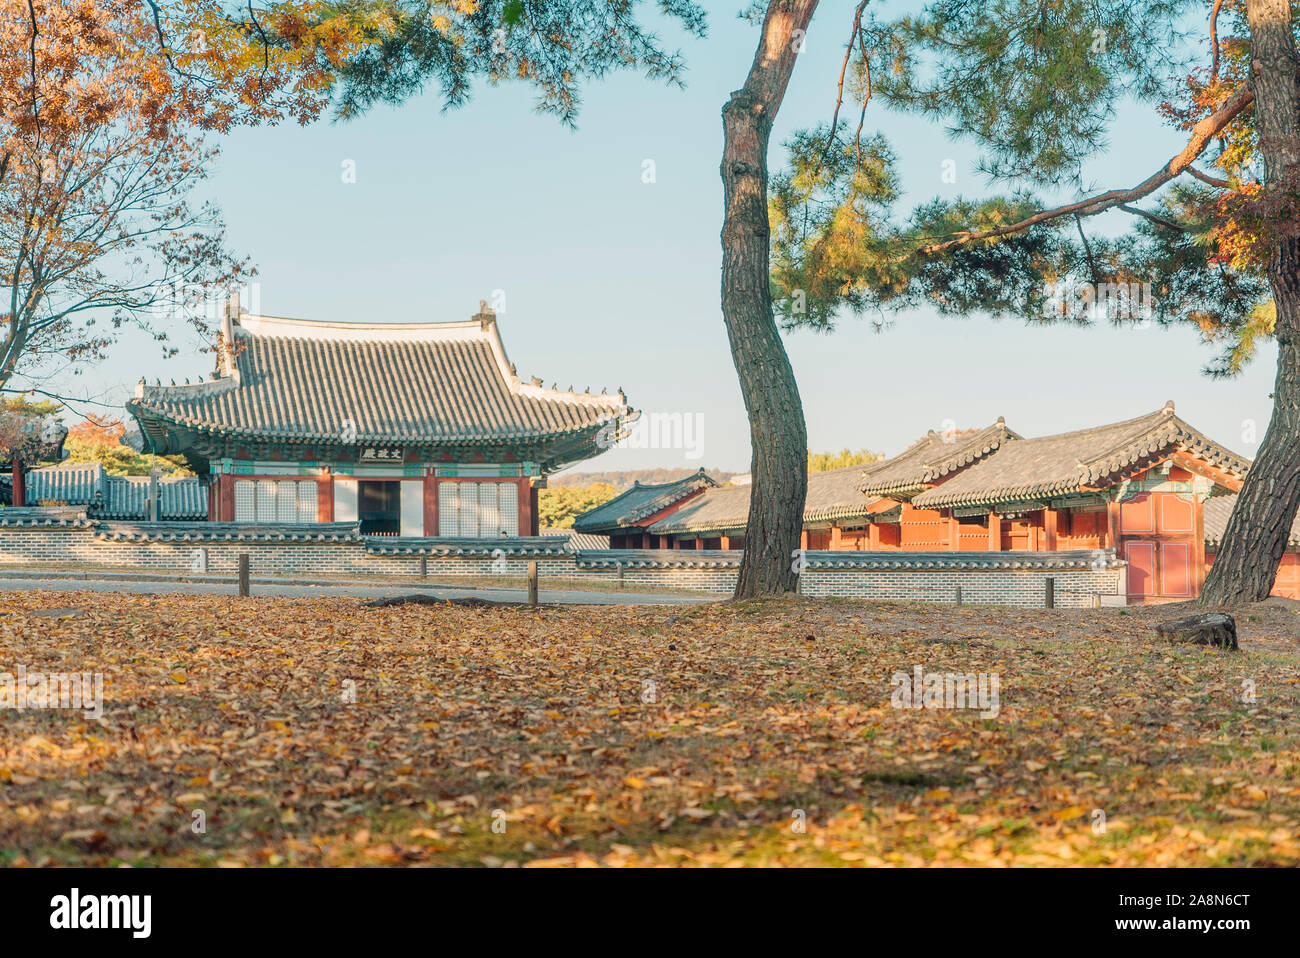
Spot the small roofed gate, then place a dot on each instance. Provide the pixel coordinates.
(1161, 539)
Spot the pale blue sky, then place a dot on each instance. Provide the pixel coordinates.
(610, 281)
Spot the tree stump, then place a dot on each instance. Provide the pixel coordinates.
(1211, 628)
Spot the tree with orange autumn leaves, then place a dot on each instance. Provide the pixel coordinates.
(105, 104)
(104, 107)
(99, 439)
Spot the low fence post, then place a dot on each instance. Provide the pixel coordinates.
(1051, 593)
(424, 567)
(243, 574)
(532, 583)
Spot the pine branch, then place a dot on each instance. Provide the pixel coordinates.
(1204, 131)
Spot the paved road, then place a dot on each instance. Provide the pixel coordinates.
(564, 597)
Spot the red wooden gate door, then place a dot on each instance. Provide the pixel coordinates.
(1157, 531)
(1176, 569)
(1141, 557)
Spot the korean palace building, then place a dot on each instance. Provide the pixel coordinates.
(411, 429)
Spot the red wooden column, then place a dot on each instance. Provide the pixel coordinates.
(325, 498)
(954, 534)
(873, 537)
(535, 525)
(20, 484)
(1049, 529)
(699, 543)
(431, 503)
(803, 540)
(725, 542)
(525, 498)
(995, 531)
(836, 534)
(225, 498)
(1112, 527)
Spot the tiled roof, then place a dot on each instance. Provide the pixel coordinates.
(832, 495)
(229, 532)
(640, 502)
(826, 559)
(576, 540)
(505, 546)
(931, 458)
(116, 497)
(1069, 559)
(659, 559)
(723, 509)
(178, 498)
(1030, 469)
(344, 383)
(78, 484)
(35, 517)
(836, 494)
(1217, 511)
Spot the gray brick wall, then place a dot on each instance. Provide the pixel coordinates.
(1075, 588)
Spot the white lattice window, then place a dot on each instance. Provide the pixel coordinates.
(468, 518)
(286, 502)
(264, 500)
(507, 508)
(448, 509)
(307, 501)
(245, 501)
(478, 510)
(488, 509)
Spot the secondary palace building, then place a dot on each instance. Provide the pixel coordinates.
(1152, 488)
(416, 429)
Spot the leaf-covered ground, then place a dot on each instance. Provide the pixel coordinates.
(724, 734)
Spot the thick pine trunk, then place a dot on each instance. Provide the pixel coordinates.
(778, 434)
(1258, 530)
(1247, 562)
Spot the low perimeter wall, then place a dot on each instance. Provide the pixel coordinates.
(30, 536)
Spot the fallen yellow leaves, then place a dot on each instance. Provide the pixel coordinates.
(302, 732)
